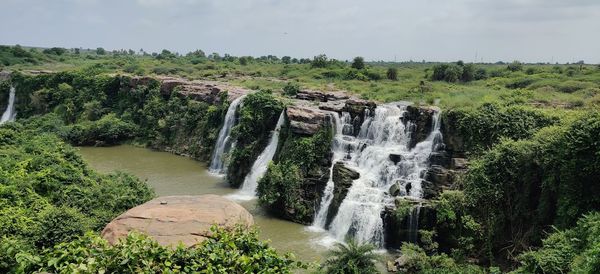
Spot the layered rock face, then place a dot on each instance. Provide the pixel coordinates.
(205, 91)
(171, 220)
(305, 120)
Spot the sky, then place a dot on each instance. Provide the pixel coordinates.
(402, 30)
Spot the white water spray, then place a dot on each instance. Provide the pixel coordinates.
(259, 168)
(339, 146)
(380, 136)
(224, 143)
(9, 114)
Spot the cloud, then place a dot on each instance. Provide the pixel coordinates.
(530, 30)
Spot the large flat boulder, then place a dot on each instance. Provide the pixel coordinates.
(306, 120)
(174, 219)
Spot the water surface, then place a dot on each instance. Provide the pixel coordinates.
(170, 174)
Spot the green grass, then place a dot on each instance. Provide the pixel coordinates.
(545, 86)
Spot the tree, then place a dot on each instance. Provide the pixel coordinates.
(286, 59)
(392, 74)
(319, 61)
(358, 63)
(197, 53)
(515, 66)
(100, 51)
(468, 73)
(351, 258)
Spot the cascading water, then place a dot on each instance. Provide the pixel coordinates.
(382, 138)
(342, 126)
(9, 114)
(413, 224)
(248, 190)
(224, 143)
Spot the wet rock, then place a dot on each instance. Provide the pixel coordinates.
(453, 140)
(440, 158)
(422, 119)
(395, 158)
(458, 163)
(173, 219)
(397, 227)
(306, 120)
(343, 177)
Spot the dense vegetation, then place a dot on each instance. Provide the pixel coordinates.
(530, 131)
(48, 195)
(89, 109)
(296, 173)
(257, 117)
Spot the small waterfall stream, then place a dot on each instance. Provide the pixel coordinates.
(248, 189)
(9, 114)
(382, 136)
(341, 126)
(224, 143)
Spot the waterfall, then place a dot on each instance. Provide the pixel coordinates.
(9, 114)
(224, 143)
(382, 137)
(341, 126)
(248, 189)
(413, 224)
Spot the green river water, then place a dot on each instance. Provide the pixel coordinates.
(170, 174)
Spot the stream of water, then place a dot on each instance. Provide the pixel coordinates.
(9, 114)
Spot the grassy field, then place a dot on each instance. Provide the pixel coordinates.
(540, 85)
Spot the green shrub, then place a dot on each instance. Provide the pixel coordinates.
(60, 224)
(351, 258)
(237, 251)
(109, 130)
(291, 89)
(392, 74)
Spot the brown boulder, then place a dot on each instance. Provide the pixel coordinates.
(306, 120)
(174, 219)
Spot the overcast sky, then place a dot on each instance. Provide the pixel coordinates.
(434, 30)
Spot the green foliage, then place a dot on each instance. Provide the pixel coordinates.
(60, 224)
(574, 250)
(552, 176)
(48, 195)
(358, 63)
(485, 126)
(320, 61)
(415, 260)
(454, 72)
(351, 258)
(291, 89)
(392, 74)
(283, 187)
(515, 66)
(237, 251)
(109, 130)
(257, 117)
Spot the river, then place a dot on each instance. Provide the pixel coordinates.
(170, 174)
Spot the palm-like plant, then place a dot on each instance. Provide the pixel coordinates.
(351, 258)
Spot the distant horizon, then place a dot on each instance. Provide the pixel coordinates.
(498, 62)
(532, 31)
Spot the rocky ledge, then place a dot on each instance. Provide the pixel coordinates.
(171, 220)
(206, 91)
(306, 120)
